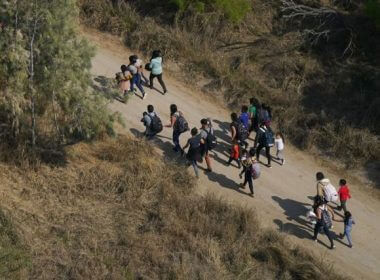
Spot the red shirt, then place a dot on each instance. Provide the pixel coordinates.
(344, 193)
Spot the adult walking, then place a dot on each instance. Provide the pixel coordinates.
(264, 139)
(136, 77)
(239, 133)
(325, 189)
(179, 125)
(194, 153)
(207, 134)
(152, 122)
(252, 111)
(156, 70)
(324, 214)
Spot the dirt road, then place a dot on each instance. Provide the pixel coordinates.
(282, 194)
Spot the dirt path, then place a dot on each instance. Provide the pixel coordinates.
(282, 193)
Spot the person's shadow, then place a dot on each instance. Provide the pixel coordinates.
(294, 210)
(224, 182)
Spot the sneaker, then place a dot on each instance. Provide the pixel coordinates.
(144, 96)
(208, 170)
(252, 195)
(165, 91)
(282, 162)
(350, 246)
(315, 239)
(269, 166)
(332, 247)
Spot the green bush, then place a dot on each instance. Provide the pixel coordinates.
(372, 8)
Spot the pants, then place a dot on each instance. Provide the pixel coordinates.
(326, 230)
(248, 179)
(159, 77)
(177, 146)
(136, 80)
(343, 205)
(237, 161)
(347, 233)
(267, 152)
(195, 166)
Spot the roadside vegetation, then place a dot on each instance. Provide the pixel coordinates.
(313, 61)
(108, 213)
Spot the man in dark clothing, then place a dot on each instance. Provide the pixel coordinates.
(262, 142)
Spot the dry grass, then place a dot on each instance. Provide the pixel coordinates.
(109, 213)
(319, 98)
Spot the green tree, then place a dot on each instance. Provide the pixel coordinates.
(45, 75)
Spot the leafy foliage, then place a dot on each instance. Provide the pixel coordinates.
(44, 75)
(234, 10)
(372, 8)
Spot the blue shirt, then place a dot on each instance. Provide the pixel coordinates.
(244, 118)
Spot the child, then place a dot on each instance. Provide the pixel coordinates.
(279, 142)
(194, 152)
(348, 222)
(234, 153)
(247, 171)
(344, 194)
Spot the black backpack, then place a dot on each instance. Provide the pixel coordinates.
(155, 124)
(241, 131)
(147, 67)
(266, 138)
(211, 141)
(181, 124)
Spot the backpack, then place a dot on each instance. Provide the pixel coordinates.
(267, 138)
(211, 141)
(181, 124)
(326, 219)
(330, 193)
(255, 169)
(155, 124)
(147, 67)
(241, 131)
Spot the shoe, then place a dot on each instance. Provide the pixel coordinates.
(165, 91)
(175, 149)
(350, 246)
(252, 195)
(332, 247)
(208, 170)
(269, 166)
(315, 240)
(283, 162)
(144, 96)
(341, 235)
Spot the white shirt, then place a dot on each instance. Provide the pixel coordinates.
(279, 144)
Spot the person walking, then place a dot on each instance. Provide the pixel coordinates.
(239, 133)
(136, 77)
(140, 70)
(344, 195)
(206, 133)
(235, 154)
(156, 70)
(322, 184)
(123, 78)
(179, 125)
(247, 163)
(152, 123)
(252, 110)
(348, 223)
(194, 153)
(323, 212)
(264, 139)
(280, 143)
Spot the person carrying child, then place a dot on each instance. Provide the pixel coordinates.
(344, 194)
(280, 143)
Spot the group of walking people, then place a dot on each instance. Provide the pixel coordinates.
(132, 75)
(255, 118)
(322, 214)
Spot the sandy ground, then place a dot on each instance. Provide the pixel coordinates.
(282, 194)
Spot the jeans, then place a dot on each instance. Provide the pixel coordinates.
(319, 225)
(195, 166)
(267, 152)
(177, 146)
(159, 77)
(347, 233)
(248, 178)
(136, 80)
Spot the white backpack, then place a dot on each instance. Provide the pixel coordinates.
(330, 193)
